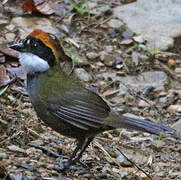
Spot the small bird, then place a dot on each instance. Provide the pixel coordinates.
(63, 102)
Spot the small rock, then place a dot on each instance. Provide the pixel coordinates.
(16, 148)
(107, 58)
(108, 49)
(139, 39)
(127, 34)
(27, 25)
(143, 57)
(4, 21)
(10, 27)
(64, 28)
(82, 75)
(3, 155)
(123, 161)
(174, 108)
(177, 125)
(92, 4)
(115, 23)
(171, 63)
(92, 55)
(126, 41)
(2, 59)
(135, 57)
(100, 10)
(143, 104)
(178, 72)
(163, 99)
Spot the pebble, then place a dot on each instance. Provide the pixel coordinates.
(123, 161)
(126, 41)
(4, 21)
(108, 49)
(115, 23)
(135, 57)
(139, 39)
(107, 58)
(174, 108)
(92, 55)
(10, 37)
(143, 104)
(82, 75)
(3, 155)
(127, 34)
(177, 125)
(16, 149)
(10, 27)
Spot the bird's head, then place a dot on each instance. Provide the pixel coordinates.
(39, 51)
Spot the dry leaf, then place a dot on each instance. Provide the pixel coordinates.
(42, 6)
(4, 78)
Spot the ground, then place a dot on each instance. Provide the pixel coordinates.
(129, 76)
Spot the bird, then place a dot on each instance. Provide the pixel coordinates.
(65, 103)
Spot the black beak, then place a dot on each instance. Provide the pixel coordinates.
(18, 47)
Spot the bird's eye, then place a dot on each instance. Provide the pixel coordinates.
(35, 44)
(28, 41)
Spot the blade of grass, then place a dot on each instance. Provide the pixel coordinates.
(3, 90)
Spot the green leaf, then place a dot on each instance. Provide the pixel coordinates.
(3, 90)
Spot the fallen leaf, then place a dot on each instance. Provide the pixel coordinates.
(2, 170)
(7, 51)
(18, 72)
(4, 78)
(41, 6)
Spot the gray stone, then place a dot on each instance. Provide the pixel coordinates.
(92, 55)
(157, 79)
(139, 39)
(27, 25)
(115, 23)
(123, 161)
(143, 104)
(177, 125)
(154, 21)
(126, 41)
(4, 21)
(10, 37)
(135, 57)
(99, 10)
(82, 75)
(3, 155)
(174, 108)
(108, 49)
(108, 59)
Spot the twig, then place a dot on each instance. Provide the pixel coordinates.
(45, 150)
(11, 137)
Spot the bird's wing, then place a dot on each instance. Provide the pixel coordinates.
(83, 109)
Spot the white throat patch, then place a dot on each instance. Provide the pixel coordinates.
(32, 63)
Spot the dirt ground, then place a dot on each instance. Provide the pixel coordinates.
(101, 51)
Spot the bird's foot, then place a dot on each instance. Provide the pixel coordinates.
(70, 164)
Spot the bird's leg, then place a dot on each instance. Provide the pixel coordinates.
(82, 145)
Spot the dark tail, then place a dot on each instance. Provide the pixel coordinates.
(142, 125)
(146, 126)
